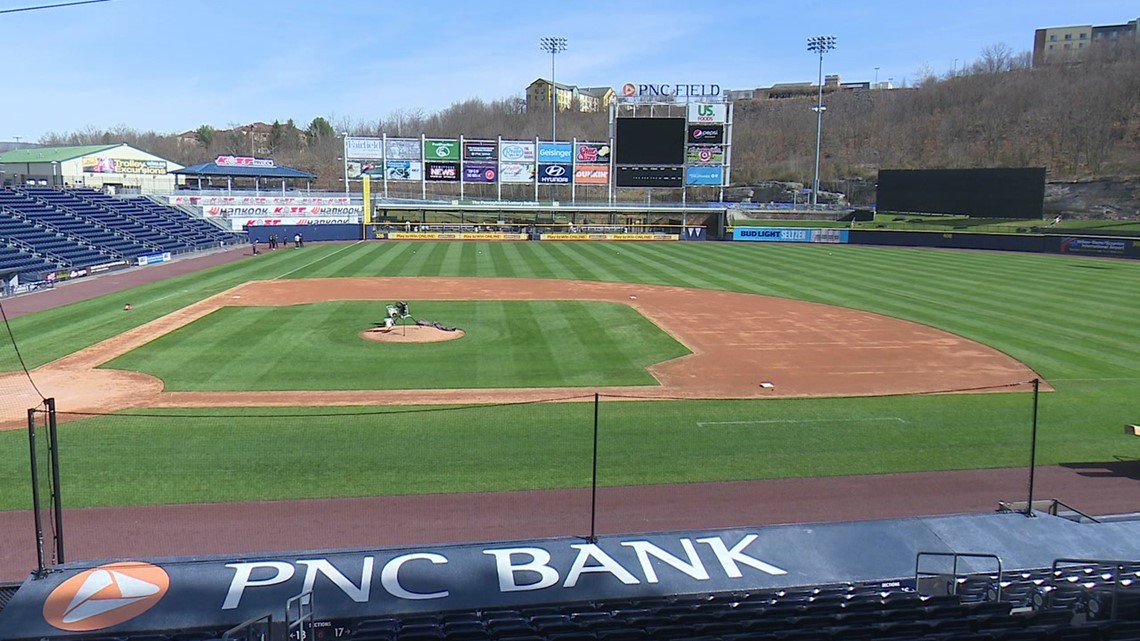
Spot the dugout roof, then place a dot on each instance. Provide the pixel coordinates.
(213, 170)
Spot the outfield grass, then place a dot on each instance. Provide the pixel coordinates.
(318, 347)
(1072, 319)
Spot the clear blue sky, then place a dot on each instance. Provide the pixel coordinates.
(169, 66)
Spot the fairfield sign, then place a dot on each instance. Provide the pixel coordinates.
(633, 90)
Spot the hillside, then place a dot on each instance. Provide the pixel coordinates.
(1082, 123)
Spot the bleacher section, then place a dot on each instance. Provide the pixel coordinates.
(44, 229)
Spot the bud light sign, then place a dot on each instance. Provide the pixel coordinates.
(555, 174)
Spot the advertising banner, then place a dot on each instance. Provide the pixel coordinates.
(363, 148)
(271, 211)
(790, 235)
(706, 134)
(708, 113)
(554, 174)
(516, 172)
(441, 150)
(592, 174)
(240, 223)
(562, 236)
(152, 259)
(704, 176)
(243, 161)
(649, 176)
(555, 152)
(442, 171)
(404, 169)
(259, 200)
(592, 153)
(705, 155)
(102, 165)
(373, 167)
(513, 151)
(480, 150)
(480, 172)
(423, 235)
(1102, 246)
(402, 149)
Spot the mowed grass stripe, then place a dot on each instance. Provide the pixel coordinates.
(317, 347)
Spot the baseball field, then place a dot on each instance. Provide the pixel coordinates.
(714, 363)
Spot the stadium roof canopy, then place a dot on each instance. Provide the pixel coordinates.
(213, 169)
(52, 154)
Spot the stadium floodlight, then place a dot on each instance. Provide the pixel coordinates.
(553, 45)
(820, 45)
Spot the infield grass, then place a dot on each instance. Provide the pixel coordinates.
(318, 347)
(1072, 319)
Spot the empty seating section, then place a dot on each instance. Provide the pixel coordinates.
(54, 244)
(66, 209)
(45, 229)
(75, 200)
(15, 260)
(193, 232)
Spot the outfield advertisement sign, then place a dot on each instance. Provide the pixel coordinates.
(589, 153)
(357, 148)
(713, 176)
(1099, 246)
(517, 151)
(480, 150)
(404, 170)
(790, 235)
(706, 134)
(480, 172)
(555, 152)
(422, 235)
(569, 236)
(402, 149)
(516, 172)
(555, 174)
(705, 155)
(442, 171)
(372, 167)
(441, 150)
(705, 113)
(592, 174)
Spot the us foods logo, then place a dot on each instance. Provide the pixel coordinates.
(105, 596)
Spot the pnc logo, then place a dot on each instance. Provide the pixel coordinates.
(629, 89)
(105, 596)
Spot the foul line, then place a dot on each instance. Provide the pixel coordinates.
(803, 420)
(314, 262)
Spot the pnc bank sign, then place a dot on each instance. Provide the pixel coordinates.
(633, 90)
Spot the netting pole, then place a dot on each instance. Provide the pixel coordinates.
(594, 479)
(36, 493)
(1033, 449)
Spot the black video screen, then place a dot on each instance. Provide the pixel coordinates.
(649, 176)
(650, 141)
(979, 193)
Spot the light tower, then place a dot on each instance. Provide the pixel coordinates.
(553, 45)
(820, 45)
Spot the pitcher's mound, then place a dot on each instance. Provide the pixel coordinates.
(410, 334)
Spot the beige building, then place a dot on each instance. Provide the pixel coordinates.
(111, 167)
(1066, 45)
(569, 97)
